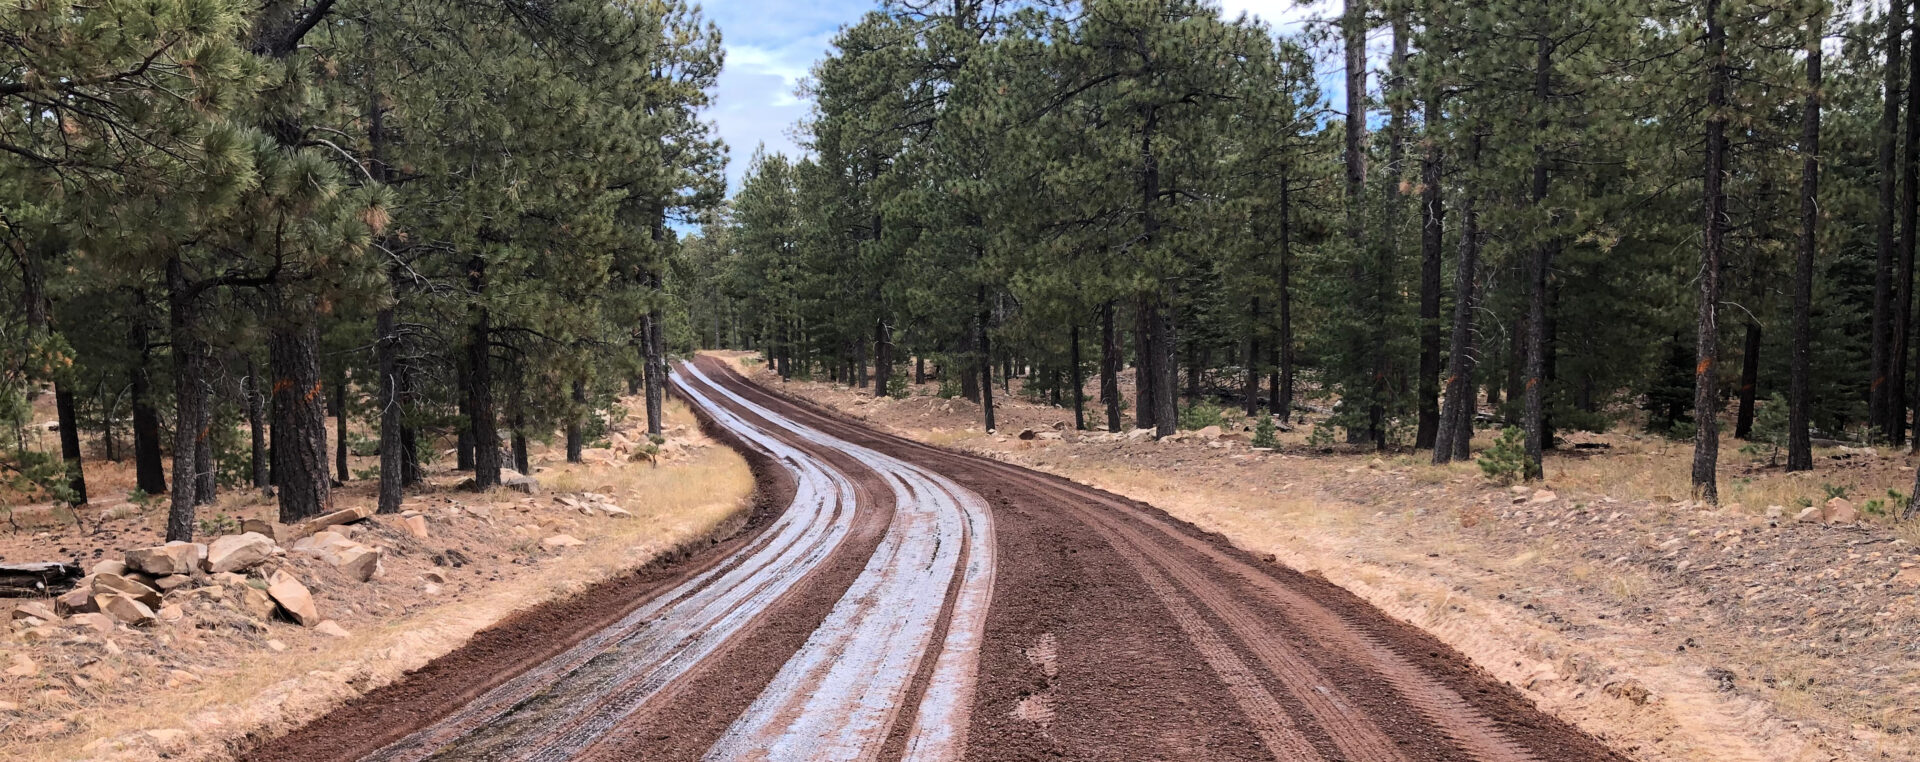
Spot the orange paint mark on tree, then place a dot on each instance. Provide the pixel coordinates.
(314, 393)
(1703, 367)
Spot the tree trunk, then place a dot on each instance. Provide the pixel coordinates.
(387, 356)
(463, 446)
(882, 358)
(1250, 395)
(1282, 403)
(1432, 230)
(919, 368)
(1706, 400)
(1146, 369)
(1800, 388)
(340, 428)
(576, 423)
(1882, 349)
(1909, 237)
(1161, 341)
(480, 413)
(1110, 361)
(1455, 427)
(1073, 377)
(986, 363)
(257, 427)
(1749, 382)
(150, 474)
(970, 363)
(189, 399)
(299, 412)
(70, 442)
(1539, 269)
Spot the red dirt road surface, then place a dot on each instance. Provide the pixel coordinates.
(894, 601)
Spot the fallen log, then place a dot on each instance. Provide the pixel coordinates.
(37, 580)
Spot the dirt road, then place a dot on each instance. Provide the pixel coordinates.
(897, 601)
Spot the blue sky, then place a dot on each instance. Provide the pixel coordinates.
(771, 44)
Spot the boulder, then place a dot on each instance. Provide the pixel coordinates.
(1544, 496)
(37, 610)
(100, 623)
(293, 598)
(1208, 432)
(255, 602)
(561, 541)
(171, 612)
(526, 485)
(1027, 434)
(76, 601)
(110, 566)
(114, 583)
(336, 518)
(125, 608)
(171, 583)
(281, 533)
(1840, 510)
(1776, 511)
(416, 526)
(171, 558)
(616, 511)
(239, 552)
(353, 559)
(1809, 514)
(330, 628)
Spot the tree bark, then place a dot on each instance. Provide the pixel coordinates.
(340, 428)
(299, 412)
(1282, 388)
(1706, 400)
(463, 445)
(1161, 339)
(1886, 240)
(882, 358)
(1250, 395)
(1146, 368)
(257, 427)
(1749, 382)
(576, 423)
(1110, 361)
(70, 442)
(1800, 387)
(1539, 270)
(392, 448)
(480, 414)
(1073, 377)
(150, 474)
(986, 363)
(1455, 427)
(189, 399)
(1432, 231)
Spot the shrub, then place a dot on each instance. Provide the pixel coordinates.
(1263, 433)
(897, 385)
(1506, 461)
(1200, 415)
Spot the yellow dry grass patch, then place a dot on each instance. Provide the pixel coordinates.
(683, 500)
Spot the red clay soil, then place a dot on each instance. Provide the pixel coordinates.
(1150, 612)
(1115, 633)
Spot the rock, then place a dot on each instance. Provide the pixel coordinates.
(1027, 434)
(125, 608)
(110, 566)
(100, 623)
(239, 552)
(276, 646)
(1909, 576)
(255, 602)
(354, 559)
(1543, 496)
(171, 558)
(23, 666)
(171, 612)
(1629, 690)
(36, 610)
(1809, 514)
(416, 526)
(330, 628)
(114, 583)
(167, 736)
(281, 533)
(293, 598)
(433, 577)
(1776, 511)
(1208, 432)
(1377, 464)
(616, 511)
(1139, 434)
(1840, 510)
(561, 541)
(171, 583)
(336, 518)
(526, 485)
(76, 601)
(430, 590)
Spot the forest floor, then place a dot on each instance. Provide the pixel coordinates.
(1671, 630)
(214, 678)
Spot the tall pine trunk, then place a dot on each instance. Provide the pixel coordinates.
(1163, 341)
(986, 363)
(1800, 387)
(392, 448)
(1706, 400)
(70, 442)
(299, 411)
(1887, 243)
(257, 426)
(1073, 377)
(1749, 381)
(1455, 430)
(1250, 395)
(882, 358)
(576, 422)
(1282, 384)
(463, 384)
(481, 419)
(149, 473)
(340, 427)
(1432, 230)
(1110, 361)
(1145, 368)
(1539, 270)
(190, 399)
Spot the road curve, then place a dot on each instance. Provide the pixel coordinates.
(895, 601)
